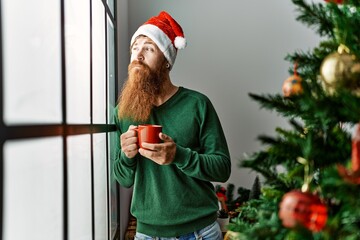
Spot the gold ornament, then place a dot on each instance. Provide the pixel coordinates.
(340, 69)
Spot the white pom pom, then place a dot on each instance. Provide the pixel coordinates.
(180, 42)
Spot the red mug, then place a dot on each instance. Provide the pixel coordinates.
(148, 133)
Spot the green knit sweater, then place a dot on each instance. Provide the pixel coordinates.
(172, 200)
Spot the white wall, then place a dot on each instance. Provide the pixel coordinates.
(234, 47)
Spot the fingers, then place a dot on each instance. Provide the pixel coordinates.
(148, 153)
(129, 147)
(128, 138)
(158, 157)
(165, 137)
(158, 146)
(132, 127)
(128, 142)
(129, 133)
(160, 153)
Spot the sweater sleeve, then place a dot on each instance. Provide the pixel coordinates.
(124, 168)
(212, 161)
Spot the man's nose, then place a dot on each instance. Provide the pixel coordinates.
(140, 56)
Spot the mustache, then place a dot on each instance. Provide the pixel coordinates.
(137, 63)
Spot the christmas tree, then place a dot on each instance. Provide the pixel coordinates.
(311, 169)
(255, 189)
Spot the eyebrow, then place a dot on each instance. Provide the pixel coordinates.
(147, 42)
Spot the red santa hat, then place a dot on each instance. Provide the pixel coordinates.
(165, 32)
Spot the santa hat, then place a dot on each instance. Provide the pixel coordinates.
(165, 32)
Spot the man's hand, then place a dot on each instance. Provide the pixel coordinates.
(160, 153)
(128, 142)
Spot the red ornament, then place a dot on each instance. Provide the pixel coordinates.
(355, 153)
(221, 195)
(292, 85)
(353, 175)
(303, 209)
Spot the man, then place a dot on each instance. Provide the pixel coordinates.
(173, 196)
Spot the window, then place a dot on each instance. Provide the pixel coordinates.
(57, 92)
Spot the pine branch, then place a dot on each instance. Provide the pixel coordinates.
(346, 20)
(355, 3)
(275, 102)
(296, 125)
(314, 16)
(256, 163)
(322, 112)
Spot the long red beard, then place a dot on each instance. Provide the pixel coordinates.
(139, 92)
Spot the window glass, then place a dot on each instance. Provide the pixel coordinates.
(111, 69)
(77, 45)
(33, 184)
(111, 5)
(114, 196)
(32, 61)
(98, 61)
(114, 190)
(100, 185)
(79, 181)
